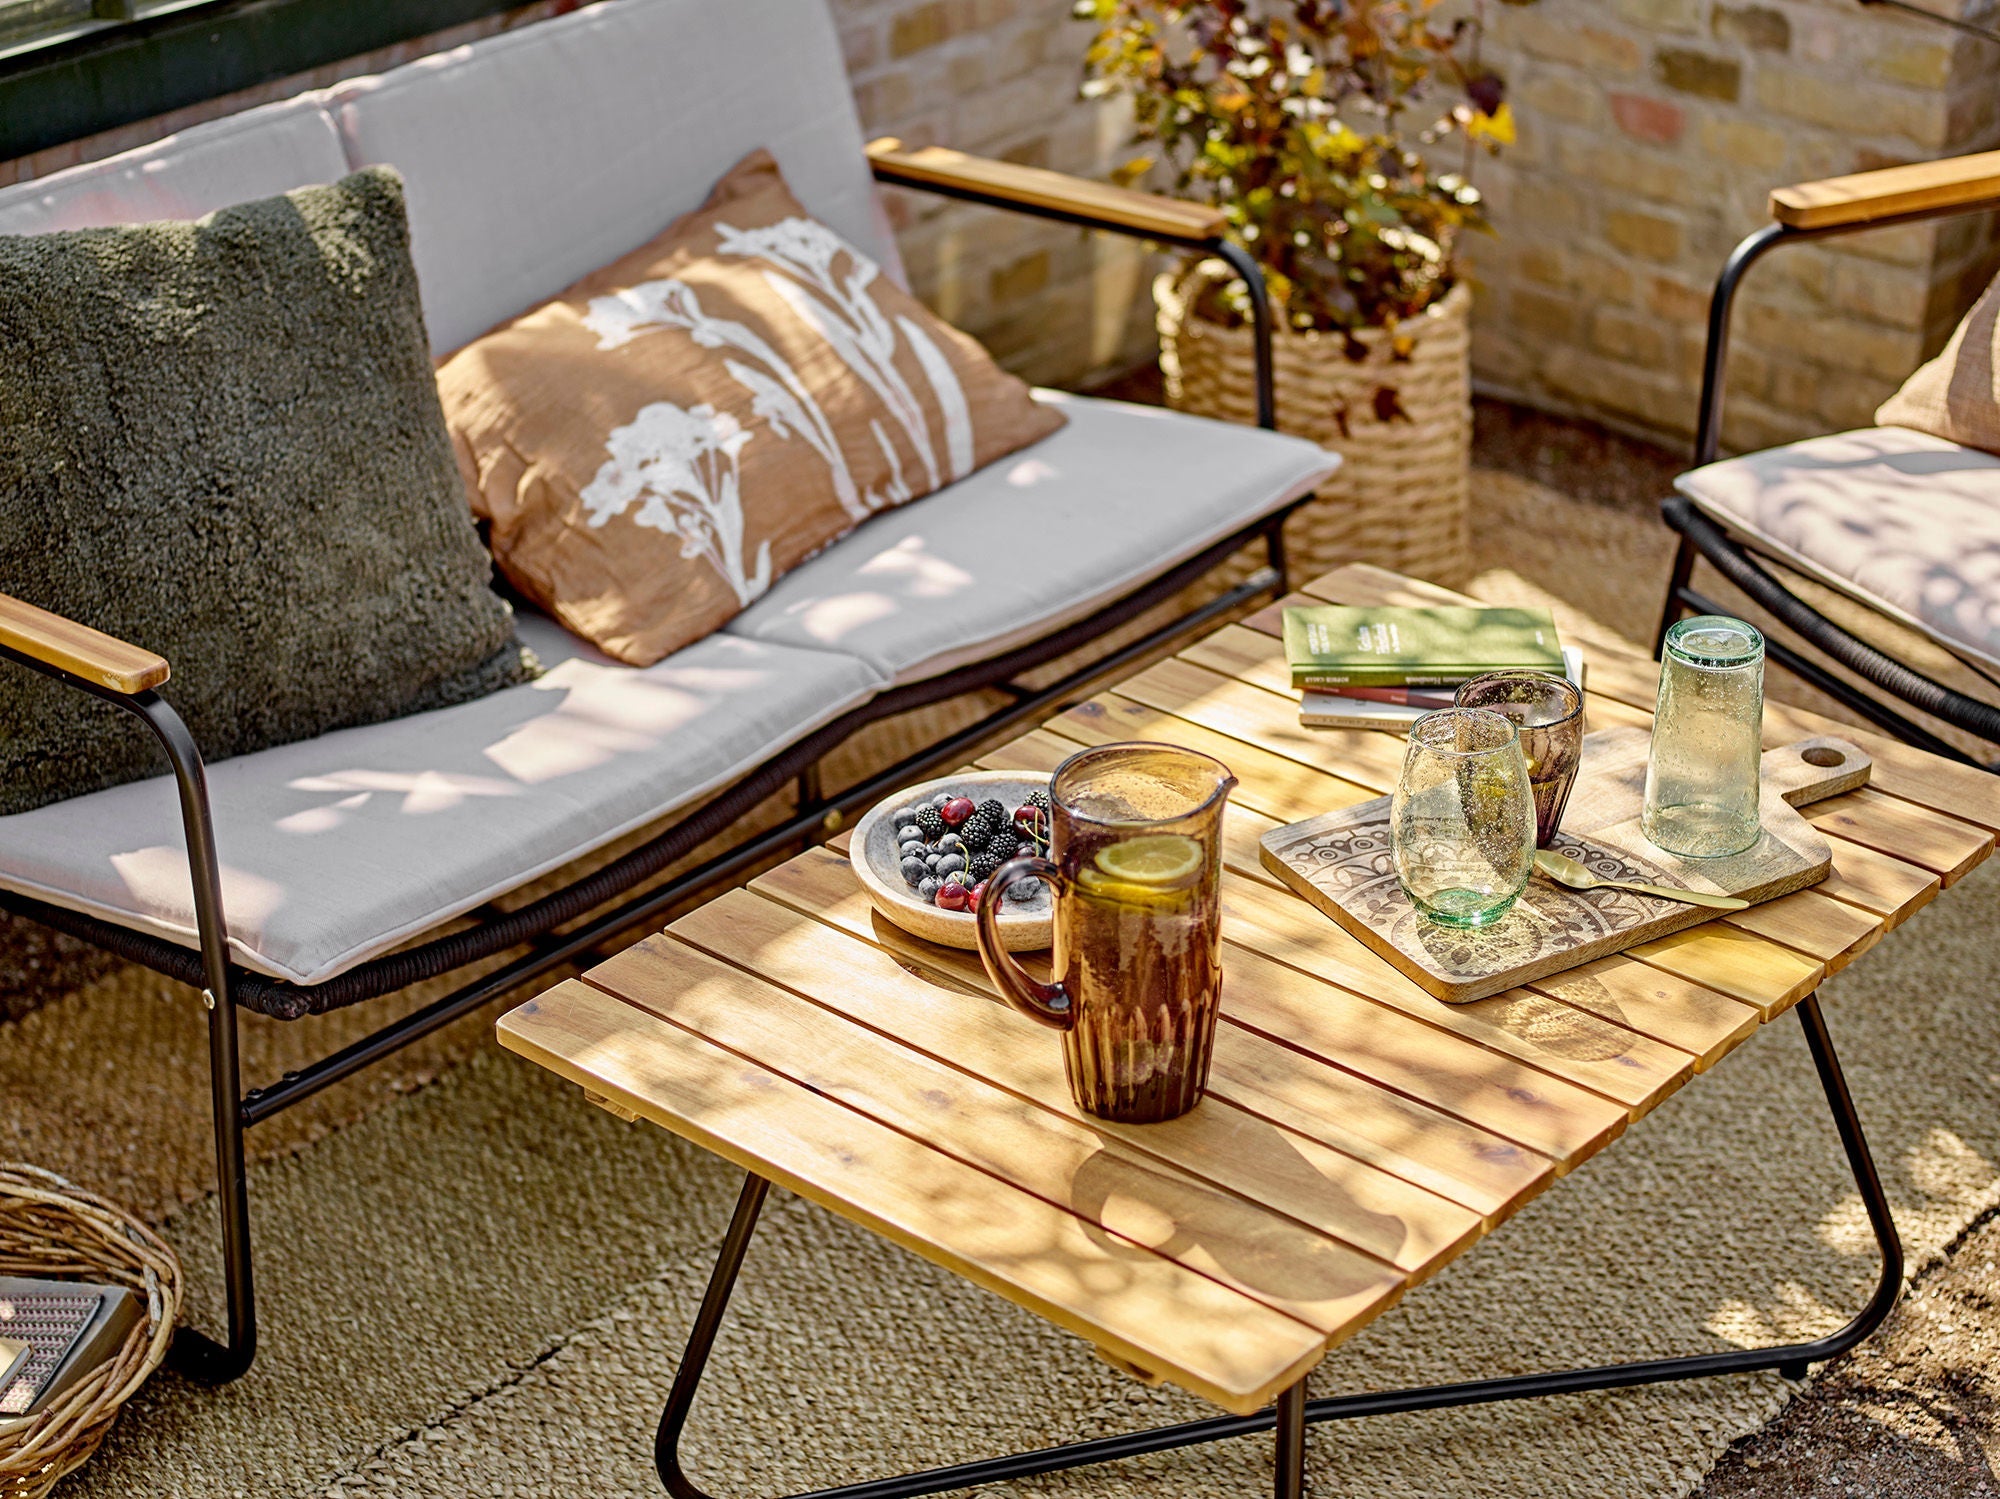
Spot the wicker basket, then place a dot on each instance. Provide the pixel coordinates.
(49, 1228)
(1401, 498)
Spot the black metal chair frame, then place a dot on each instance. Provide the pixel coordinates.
(580, 920)
(1293, 1411)
(1700, 536)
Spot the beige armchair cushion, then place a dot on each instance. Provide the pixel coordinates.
(1902, 521)
(1957, 395)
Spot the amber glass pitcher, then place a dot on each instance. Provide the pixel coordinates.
(1136, 859)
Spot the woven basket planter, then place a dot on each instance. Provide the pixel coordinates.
(1400, 499)
(53, 1230)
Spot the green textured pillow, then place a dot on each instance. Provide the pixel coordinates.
(221, 440)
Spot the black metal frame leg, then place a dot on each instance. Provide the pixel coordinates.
(1293, 1412)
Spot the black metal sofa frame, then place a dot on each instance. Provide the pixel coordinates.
(587, 916)
(1806, 212)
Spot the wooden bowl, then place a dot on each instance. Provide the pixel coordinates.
(1024, 927)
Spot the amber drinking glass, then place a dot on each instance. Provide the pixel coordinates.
(1136, 845)
(1548, 716)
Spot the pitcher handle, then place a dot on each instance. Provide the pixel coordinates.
(1048, 1003)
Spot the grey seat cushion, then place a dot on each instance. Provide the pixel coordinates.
(1905, 522)
(1036, 540)
(221, 441)
(339, 848)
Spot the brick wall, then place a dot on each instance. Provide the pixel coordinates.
(999, 78)
(1651, 131)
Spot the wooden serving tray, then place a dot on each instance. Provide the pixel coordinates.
(1341, 863)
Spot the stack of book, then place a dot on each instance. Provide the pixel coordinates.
(1380, 667)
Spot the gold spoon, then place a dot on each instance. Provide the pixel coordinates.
(1568, 872)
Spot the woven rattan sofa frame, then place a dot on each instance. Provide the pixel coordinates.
(587, 917)
(1807, 212)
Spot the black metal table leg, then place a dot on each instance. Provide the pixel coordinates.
(1288, 1457)
(714, 1301)
(1293, 1412)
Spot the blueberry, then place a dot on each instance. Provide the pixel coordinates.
(1024, 890)
(950, 864)
(941, 798)
(914, 870)
(932, 859)
(908, 831)
(907, 846)
(908, 816)
(928, 886)
(951, 843)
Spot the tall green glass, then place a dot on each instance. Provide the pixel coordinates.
(1703, 775)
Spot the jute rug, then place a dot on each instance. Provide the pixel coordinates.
(473, 1282)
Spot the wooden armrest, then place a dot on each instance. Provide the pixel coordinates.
(78, 649)
(1954, 184)
(1036, 187)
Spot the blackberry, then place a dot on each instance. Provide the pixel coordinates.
(993, 808)
(929, 823)
(978, 829)
(982, 866)
(1039, 799)
(1004, 846)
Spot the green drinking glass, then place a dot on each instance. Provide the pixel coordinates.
(1462, 821)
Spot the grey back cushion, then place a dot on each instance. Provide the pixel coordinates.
(534, 157)
(221, 440)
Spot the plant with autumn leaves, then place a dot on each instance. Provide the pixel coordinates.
(1336, 136)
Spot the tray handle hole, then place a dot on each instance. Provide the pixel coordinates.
(1824, 757)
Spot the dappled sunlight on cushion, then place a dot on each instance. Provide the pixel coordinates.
(1033, 542)
(338, 848)
(1032, 471)
(607, 711)
(159, 873)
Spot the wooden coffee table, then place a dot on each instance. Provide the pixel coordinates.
(1358, 1134)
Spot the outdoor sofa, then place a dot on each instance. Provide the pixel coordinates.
(320, 874)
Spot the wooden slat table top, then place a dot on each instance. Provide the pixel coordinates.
(1358, 1134)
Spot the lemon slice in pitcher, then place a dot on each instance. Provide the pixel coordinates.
(1145, 869)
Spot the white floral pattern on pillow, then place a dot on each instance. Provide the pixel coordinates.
(681, 469)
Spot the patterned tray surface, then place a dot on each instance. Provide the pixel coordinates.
(1341, 862)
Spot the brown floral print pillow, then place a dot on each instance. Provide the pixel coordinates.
(657, 445)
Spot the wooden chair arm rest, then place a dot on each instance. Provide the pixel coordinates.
(77, 649)
(1957, 183)
(1036, 187)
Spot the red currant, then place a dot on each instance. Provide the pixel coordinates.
(956, 810)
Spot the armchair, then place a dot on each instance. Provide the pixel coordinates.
(1723, 509)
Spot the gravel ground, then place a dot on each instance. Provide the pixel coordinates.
(1584, 461)
(1913, 1413)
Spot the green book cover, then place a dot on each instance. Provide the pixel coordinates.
(1337, 645)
